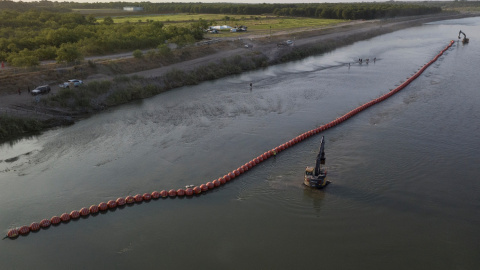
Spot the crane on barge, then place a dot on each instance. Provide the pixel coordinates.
(316, 177)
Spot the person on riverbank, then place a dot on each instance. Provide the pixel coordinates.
(19, 91)
(28, 89)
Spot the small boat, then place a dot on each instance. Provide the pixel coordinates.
(316, 177)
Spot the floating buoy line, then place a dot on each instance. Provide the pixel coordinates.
(195, 190)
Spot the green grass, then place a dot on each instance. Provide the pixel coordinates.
(280, 24)
(184, 17)
(11, 126)
(86, 11)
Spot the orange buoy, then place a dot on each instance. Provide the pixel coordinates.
(155, 194)
(222, 180)
(189, 192)
(138, 198)
(236, 172)
(197, 190)
(252, 163)
(129, 199)
(45, 223)
(232, 175)
(74, 214)
(256, 160)
(35, 226)
(244, 168)
(102, 206)
(55, 220)
(181, 192)
(12, 233)
(24, 230)
(163, 193)
(121, 201)
(146, 196)
(264, 156)
(111, 204)
(216, 183)
(84, 211)
(65, 217)
(210, 185)
(227, 177)
(249, 165)
(203, 187)
(172, 193)
(93, 209)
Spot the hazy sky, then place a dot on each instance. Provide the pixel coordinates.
(237, 1)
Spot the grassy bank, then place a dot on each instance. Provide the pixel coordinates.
(98, 95)
(11, 126)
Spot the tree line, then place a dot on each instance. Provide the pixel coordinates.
(35, 35)
(34, 31)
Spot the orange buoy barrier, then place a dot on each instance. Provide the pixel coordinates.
(24, 230)
(12, 233)
(84, 212)
(65, 217)
(138, 198)
(210, 185)
(55, 220)
(74, 214)
(45, 223)
(111, 204)
(121, 201)
(181, 192)
(130, 199)
(93, 209)
(155, 194)
(102, 206)
(35, 226)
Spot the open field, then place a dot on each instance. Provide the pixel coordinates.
(255, 24)
(185, 17)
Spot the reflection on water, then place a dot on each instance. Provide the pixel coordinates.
(404, 172)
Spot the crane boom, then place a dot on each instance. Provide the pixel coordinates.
(320, 157)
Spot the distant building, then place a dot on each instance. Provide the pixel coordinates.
(133, 8)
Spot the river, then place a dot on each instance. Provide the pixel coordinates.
(405, 173)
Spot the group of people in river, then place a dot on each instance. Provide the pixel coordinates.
(361, 60)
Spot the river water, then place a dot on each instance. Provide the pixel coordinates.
(405, 173)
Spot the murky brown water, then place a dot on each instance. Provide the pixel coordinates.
(405, 172)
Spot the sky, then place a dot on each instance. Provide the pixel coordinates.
(237, 1)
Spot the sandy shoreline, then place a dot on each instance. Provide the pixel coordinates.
(24, 105)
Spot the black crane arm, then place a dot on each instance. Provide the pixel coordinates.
(320, 157)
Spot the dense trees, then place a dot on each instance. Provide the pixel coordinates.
(29, 37)
(34, 31)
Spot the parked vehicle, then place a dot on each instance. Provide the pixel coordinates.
(71, 83)
(40, 90)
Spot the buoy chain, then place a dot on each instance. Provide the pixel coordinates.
(172, 193)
